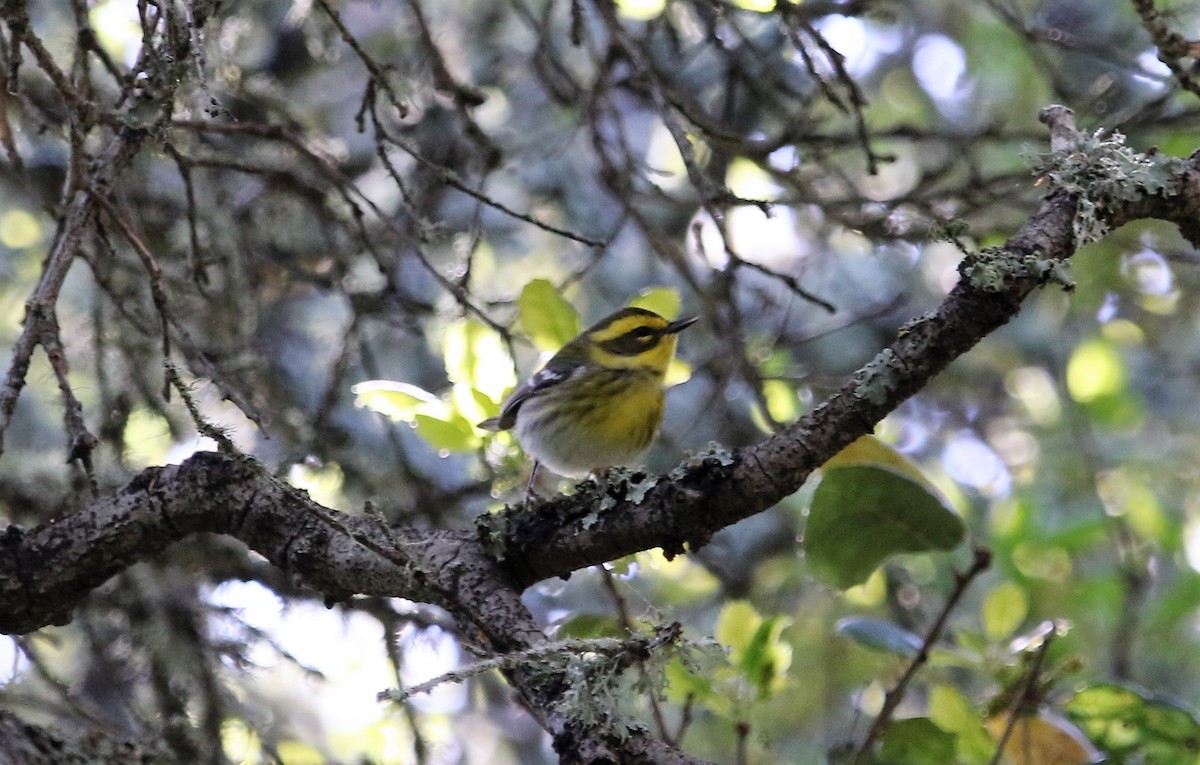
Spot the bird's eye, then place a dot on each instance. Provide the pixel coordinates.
(641, 334)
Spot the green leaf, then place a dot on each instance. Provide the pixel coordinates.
(452, 433)
(1104, 702)
(1172, 723)
(397, 400)
(767, 656)
(476, 357)
(486, 404)
(917, 741)
(441, 425)
(736, 626)
(951, 712)
(869, 450)
(682, 684)
(1129, 725)
(590, 626)
(1004, 608)
(863, 514)
(549, 320)
(880, 635)
(664, 301)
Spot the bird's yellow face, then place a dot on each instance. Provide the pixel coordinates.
(634, 339)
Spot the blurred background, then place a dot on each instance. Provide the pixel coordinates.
(366, 218)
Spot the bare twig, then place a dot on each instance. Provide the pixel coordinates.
(1172, 46)
(982, 559)
(1027, 694)
(625, 621)
(203, 426)
(606, 648)
(838, 62)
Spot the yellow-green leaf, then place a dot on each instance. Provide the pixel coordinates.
(583, 626)
(684, 684)
(397, 400)
(951, 712)
(476, 357)
(299, 753)
(766, 658)
(1095, 370)
(781, 400)
(869, 450)
(736, 626)
(1004, 608)
(549, 320)
(147, 438)
(452, 433)
(678, 372)
(664, 301)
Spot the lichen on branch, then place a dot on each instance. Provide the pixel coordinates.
(1101, 171)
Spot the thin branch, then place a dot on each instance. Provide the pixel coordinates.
(549, 652)
(982, 559)
(40, 326)
(625, 621)
(378, 74)
(838, 62)
(1028, 695)
(203, 426)
(452, 179)
(167, 318)
(1172, 46)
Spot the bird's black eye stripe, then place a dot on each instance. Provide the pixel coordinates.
(633, 342)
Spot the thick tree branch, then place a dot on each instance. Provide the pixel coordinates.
(46, 571)
(22, 743)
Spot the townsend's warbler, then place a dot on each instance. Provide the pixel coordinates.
(598, 402)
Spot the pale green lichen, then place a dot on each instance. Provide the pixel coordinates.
(1101, 170)
(598, 690)
(636, 491)
(493, 533)
(878, 378)
(1057, 272)
(623, 484)
(594, 671)
(712, 452)
(719, 452)
(994, 269)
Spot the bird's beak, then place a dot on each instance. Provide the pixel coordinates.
(679, 326)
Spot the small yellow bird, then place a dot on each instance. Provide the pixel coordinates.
(599, 401)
